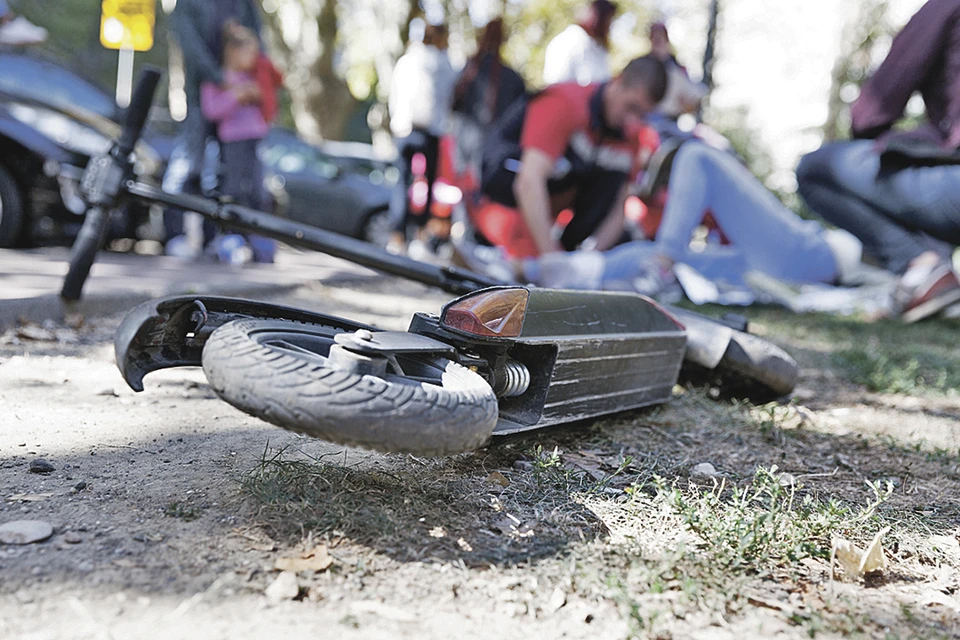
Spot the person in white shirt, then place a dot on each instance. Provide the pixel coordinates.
(421, 97)
(17, 31)
(580, 52)
(683, 94)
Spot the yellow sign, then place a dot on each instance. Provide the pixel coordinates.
(128, 24)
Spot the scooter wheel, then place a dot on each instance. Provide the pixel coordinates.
(752, 368)
(281, 372)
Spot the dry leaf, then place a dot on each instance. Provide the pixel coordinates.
(511, 525)
(383, 611)
(767, 603)
(125, 563)
(857, 562)
(498, 478)
(935, 598)
(319, 559)
(29, 497)
(258, 541)
(285, 587)
(591, 464)
(557, 599)
(36, 333)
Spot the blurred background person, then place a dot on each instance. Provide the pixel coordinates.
(581, 52)
(198, 27)
(899, 191)
(486, 87)
(17, 31)
(683, 94)
(241, 125)
(421, 96)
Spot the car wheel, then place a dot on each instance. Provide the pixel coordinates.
(377, 228)
(11, 210)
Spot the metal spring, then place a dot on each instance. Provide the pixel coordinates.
(516, 379)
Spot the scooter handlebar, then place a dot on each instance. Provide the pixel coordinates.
(139, 110)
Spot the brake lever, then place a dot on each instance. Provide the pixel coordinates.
(101, 182)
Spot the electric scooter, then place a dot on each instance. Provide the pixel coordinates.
(501, 358)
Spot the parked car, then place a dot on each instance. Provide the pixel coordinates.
(51, 121)
(338, 186)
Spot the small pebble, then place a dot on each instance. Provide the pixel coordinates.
(41, 466)
(705, 469)
(25, 532)
(72, 537)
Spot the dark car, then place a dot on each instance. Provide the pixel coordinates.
(340, 187)
(51, 121)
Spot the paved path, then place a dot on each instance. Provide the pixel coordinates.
(30, 280)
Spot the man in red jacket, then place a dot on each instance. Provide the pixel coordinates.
(572, 147)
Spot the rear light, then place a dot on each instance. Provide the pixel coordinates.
(493, 313)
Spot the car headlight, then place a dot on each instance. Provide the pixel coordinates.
(64, 131)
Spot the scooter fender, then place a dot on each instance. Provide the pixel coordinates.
(170, 332)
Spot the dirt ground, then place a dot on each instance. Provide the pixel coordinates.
(171, 511)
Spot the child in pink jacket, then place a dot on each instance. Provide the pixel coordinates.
(235, 108)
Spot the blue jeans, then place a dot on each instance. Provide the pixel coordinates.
(894, 211)
(764, 235)
(419, 141)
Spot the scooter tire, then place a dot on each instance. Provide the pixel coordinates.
(751, 369)
(259, 367)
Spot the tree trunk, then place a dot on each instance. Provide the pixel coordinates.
(321, 101)
(867, 25)
(325, 104)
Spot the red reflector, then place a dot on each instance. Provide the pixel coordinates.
(496, 313)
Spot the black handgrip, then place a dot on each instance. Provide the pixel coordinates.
(139, 110)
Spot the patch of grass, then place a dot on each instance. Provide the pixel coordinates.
(895, 371)
(766, 524)
(727, 542)
(182, 511)
(442, 508)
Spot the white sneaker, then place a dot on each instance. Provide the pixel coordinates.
(847, 252)
(21, 32)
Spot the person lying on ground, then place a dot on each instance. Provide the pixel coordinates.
(528, 166)
(761, 235)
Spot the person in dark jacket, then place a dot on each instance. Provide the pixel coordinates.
(484, 90)
(487, 85)
(198, 28)
(899, 192)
